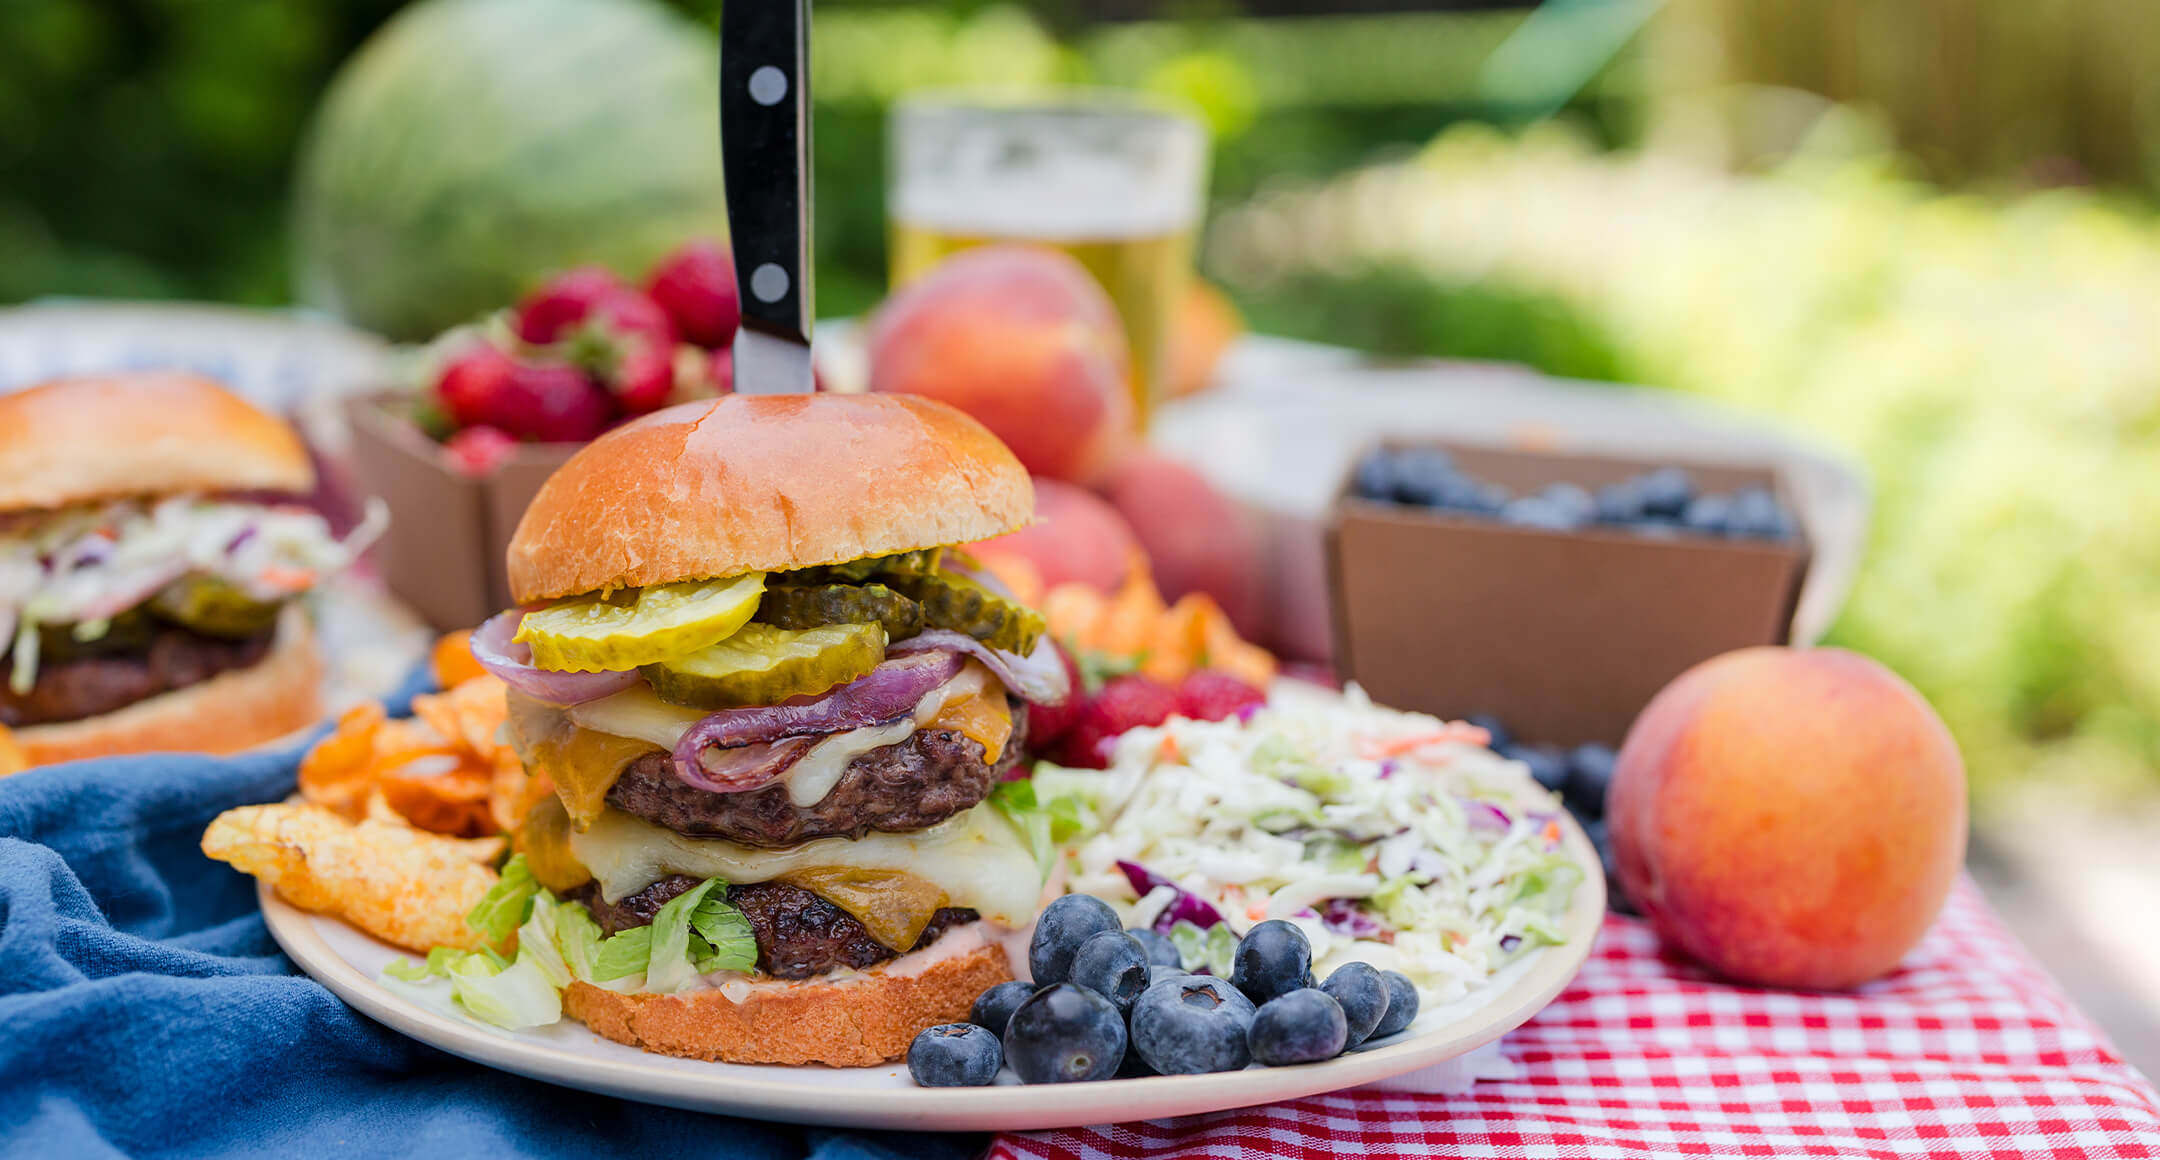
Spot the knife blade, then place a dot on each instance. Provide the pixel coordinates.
(765, 160)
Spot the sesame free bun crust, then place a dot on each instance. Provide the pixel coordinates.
(146, 433)
(234, 710)
(859, 1023)
(764, 483)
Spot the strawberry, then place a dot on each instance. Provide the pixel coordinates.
(1124, 703)
(478, 450)
(552, 402)
(1047, 723)
(563, 301)
(696, 286)
(470, 383)
(1214, 695)
(645, 378)
(723, 370)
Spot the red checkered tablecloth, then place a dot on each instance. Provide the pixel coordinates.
(1970, 1050)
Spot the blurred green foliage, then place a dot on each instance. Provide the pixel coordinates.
(146, 146)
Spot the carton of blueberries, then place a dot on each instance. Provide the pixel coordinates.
(1555, 591)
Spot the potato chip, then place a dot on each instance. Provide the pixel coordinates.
(472, 714)
(402, 885)
(453, 661)
(1168, 642)
(336, 772)
(437, 770)
(12, 757)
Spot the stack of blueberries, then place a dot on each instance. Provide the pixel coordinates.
(1108, 1002)
(1581, 776)
(1663, 502)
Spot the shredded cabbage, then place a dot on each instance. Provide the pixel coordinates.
(1385, 836)
(85, 565)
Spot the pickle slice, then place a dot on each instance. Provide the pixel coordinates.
(214, 607)
(920, 562)
(765, 665)
(623, 630)
(961, 604)
(131, 631)
(808, 606)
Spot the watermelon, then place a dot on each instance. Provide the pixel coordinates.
(472, 146)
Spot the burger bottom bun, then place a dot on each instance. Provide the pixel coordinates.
(234, 710)
(864, 1021)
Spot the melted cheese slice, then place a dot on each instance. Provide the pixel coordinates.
(975, 858)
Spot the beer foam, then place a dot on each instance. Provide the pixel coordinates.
(1051, 178)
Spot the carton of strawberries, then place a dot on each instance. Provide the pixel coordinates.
(583, 351)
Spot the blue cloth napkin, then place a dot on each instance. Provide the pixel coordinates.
(145, 1010)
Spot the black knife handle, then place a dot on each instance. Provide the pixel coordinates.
(765, 153)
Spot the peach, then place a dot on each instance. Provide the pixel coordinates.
(1023, 339)
(1790, 817)
(1206, 326)
(1196, 539)
(1076, 538)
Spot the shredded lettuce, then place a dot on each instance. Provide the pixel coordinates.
(624, 954)
(408, 970)
(537, 939)
(1046, 826)
(504, 907)
(669, 967)
(1210, 950)
(731, 944)
(515, 997)
(577, 936)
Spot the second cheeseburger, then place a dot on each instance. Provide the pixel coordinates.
(752, 666)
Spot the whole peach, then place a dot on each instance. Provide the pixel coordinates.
(1790, 817)
(1196, 539)
(1023, 339)
(1076, 537)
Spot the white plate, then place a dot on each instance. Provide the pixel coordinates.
(350, 964)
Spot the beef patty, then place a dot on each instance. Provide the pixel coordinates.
(799, 934)
(100, 680)
(915, 783)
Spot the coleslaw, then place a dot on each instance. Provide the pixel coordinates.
(84, 565)
(1386, 836)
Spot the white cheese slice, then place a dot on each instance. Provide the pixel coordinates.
(975, 857)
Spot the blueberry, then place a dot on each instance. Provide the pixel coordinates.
(1620, 503)
(955, 1055)
(1375, 475)
(1666, 491)
(1402, 1004)
(1501, 736)
(1160, 950)
(1590, 770)
(995, 1006)
(1160, 971)
(1707, 514)
(1755, 512)
(1274, 959)
(1571, 499)
(1304, 1026)
(1536, 511)
(1192, 1025)
(1363, 996)
(1548, 766)
(1423, 475)
(1059, 931)
(1065, 1034)
(1112, 964)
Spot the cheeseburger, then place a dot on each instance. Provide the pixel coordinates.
(773, 701)
(148, 571)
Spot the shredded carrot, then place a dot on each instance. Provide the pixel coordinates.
(1455, 732)
(1168, 752)
(1552, 833)
(288, 578)
(1256, 912)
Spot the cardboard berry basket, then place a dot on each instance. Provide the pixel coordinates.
(443, 553)
(1564, 635)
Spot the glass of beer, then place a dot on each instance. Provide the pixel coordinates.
(1107, 176)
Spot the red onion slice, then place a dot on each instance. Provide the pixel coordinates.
(746, 767)
(1038, 676)
(512, 661)
(882, 695)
